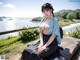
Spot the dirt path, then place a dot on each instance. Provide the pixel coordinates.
(15, 57)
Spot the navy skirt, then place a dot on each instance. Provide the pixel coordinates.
(50, 50)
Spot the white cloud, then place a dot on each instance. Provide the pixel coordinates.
(1, 3)
(9, 5)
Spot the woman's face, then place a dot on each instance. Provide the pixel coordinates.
(47, 13)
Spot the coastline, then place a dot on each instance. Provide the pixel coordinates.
(71, 25)
(71, 28)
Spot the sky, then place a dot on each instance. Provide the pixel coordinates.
(32, 8)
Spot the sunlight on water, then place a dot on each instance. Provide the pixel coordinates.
(10, 25)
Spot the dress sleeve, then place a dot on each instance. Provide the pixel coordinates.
(56, 28)
(56, 31)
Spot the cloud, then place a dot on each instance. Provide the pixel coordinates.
(1, 3)
(8, 5)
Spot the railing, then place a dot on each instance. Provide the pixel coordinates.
(6, 32)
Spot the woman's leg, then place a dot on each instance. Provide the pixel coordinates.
(48, 51)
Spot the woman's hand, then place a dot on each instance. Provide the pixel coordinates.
(40, 45)
(41, 48)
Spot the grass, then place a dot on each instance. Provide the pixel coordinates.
(14, 45)
(8, 41)
(75, 34)
(64, 22)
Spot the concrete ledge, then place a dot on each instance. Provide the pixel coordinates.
(70, 45)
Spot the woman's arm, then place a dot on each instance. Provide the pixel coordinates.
(50, 40)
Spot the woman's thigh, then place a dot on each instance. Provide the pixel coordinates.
(48, 51)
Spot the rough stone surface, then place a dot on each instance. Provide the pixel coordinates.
(70, 45)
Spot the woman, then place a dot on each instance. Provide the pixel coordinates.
(49, 32)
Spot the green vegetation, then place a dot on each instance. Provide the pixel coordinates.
(71, 16)
(14, 45)
(65, 13)
(7, 42)
(67, 17)
(37, 19)
(64, 22)
(75, 34)
(28, 35)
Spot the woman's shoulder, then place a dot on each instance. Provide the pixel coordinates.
(55, 19)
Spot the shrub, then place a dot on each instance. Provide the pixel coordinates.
(75, 33)
(28, 35)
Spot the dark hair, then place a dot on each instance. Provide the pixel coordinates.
(47, 6)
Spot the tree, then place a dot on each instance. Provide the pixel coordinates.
(78, 13)
(37, 19)
(63, 15)
(71, 16)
